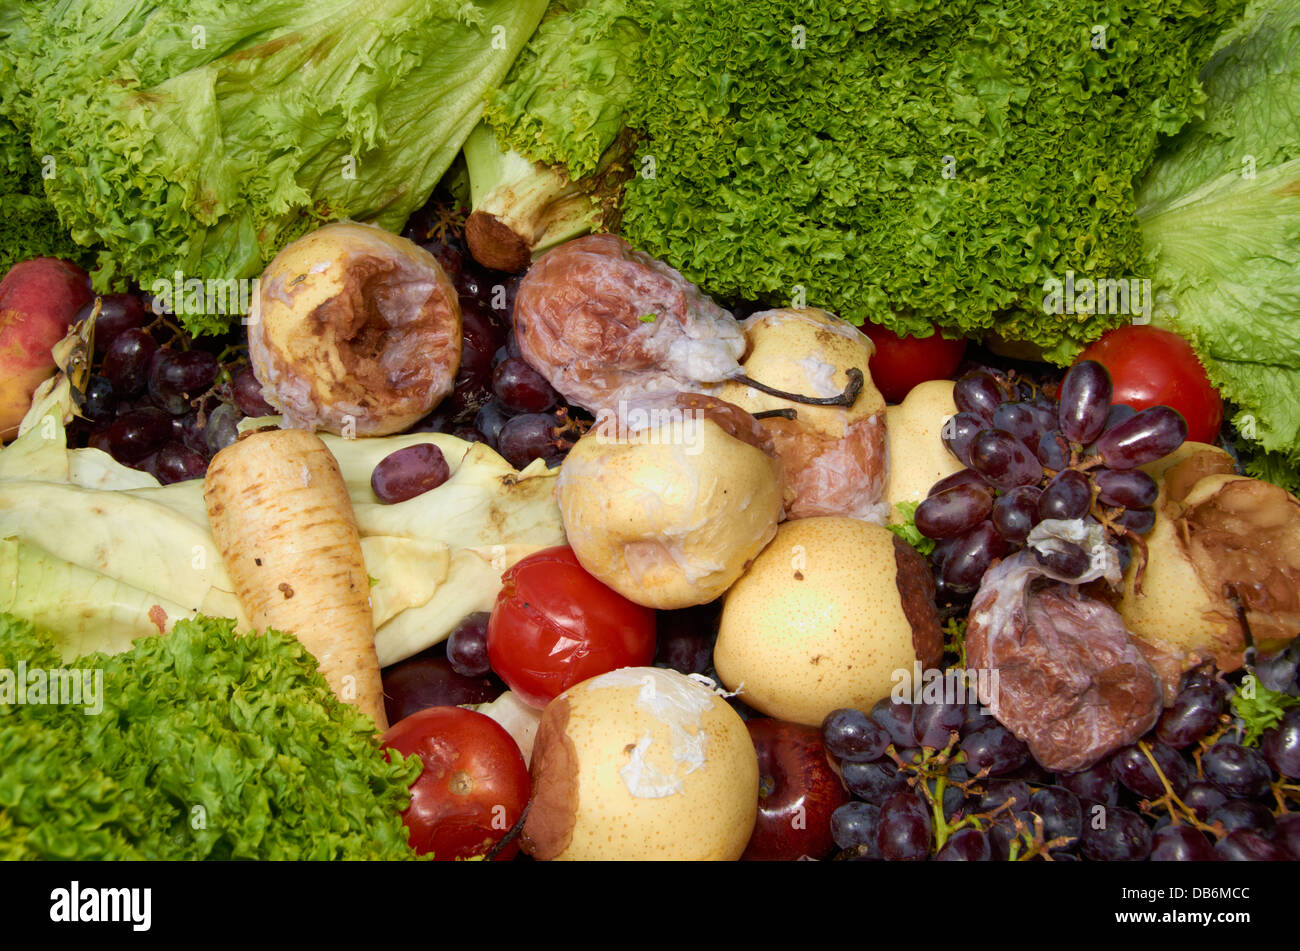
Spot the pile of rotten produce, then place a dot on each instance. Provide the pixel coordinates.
(630, 577)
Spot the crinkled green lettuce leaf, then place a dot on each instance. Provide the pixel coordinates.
(209, 745)
(1220, 212)
(909, 161)
(566, 97)
(202, 136)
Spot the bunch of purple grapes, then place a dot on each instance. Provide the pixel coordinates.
(1190, 790)
(1029, 458)
(158, 403)
(498, 398)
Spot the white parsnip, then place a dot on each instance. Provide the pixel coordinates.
(283, 522)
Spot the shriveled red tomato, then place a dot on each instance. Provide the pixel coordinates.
(1149, 367)
(474, 785)
(900, 363)
(555, 625)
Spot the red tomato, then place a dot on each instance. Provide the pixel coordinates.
(1149, 367)
(900, 363)
(555, 625)
(474, 785)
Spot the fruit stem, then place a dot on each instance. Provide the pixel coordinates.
(847, 398)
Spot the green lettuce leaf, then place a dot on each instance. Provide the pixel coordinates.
(200, 136)
(208, 745)
(1220, 212)
(909, 161)
(565, 100)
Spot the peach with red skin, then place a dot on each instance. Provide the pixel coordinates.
(38, 300)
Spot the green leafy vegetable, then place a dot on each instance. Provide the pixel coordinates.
(1221, 213)
(909, 162)
(29, 228)
(200, 136)
(906, 530)
(209, 745)
(565, 100)
(1259, 708)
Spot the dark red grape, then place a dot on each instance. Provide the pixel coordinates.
(904, 833)
(246, 392)
(126, 361)
(1146, 437)
(520, 388)
(1236, 769)
(1065, 559)
(959, 431)
(966, 845)
(1025, 421)
(428, 680)
(409, 472)
(1181, 843)
(854, 825)
(1281, 745)
(1060, 810)
(1119, 413)
(1053, 452)
(176, 462)
(979, 393)
(118, 312)
(1132, 768)
(525, 438)
(175, 376)
(1131, 488)
(134, 435)
(467, 646)
(1003, 460)
(1096, 784)
(896, 718)
(970, 555)
(998, 791)
(1242, 845)
(1287, 834)
(1067, 496)
(221, 428)
(964, 477)
(873, 782)
(1123, 836)
(448, 255)
(933, 723)
(1084, 401)
(101, 403)
(994, 748)
(953, 512)
(1138, 521)
(852, 736)
(1244, 814)
(1016, 512)
(1203, 798)
(1193, 714)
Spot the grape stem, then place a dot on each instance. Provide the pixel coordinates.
(1170, 799)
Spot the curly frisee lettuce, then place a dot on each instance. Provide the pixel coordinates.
(207, 745)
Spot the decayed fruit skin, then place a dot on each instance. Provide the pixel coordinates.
(835, 457)
(1182, 608)
(669, 517)
(824, 618)
(641, 763)
(356, 331)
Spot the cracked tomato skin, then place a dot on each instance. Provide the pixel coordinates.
(555, 625)
(473, 787)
